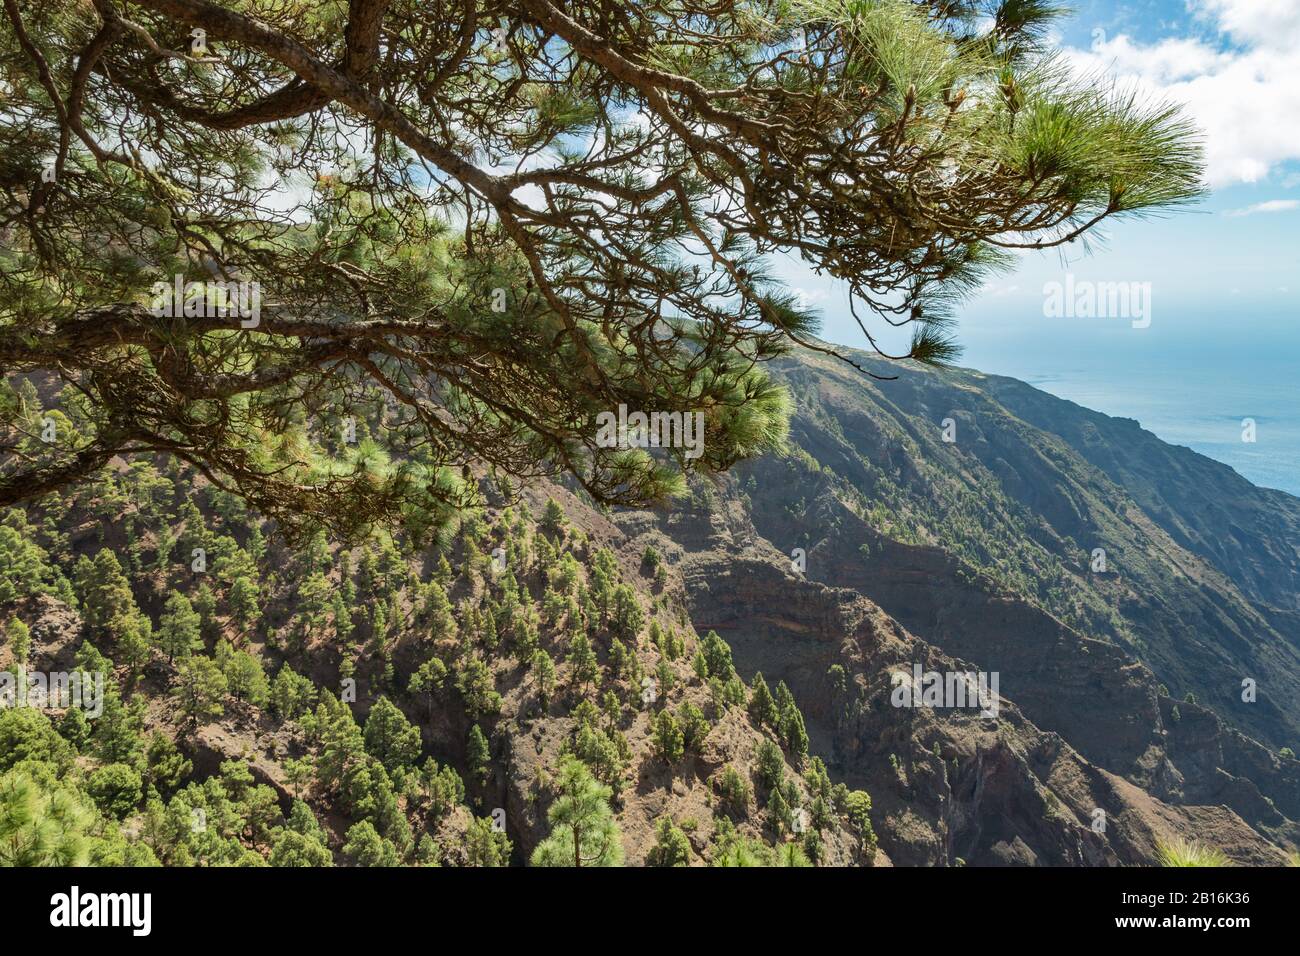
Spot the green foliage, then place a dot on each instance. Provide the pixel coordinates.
(770, 764)
(245, 678)
(670, 742)
(553, 520)
(857, 809)
(291, 694)
(25, 568)
(40, 826)
(436, 612)
(583, 829)
(428, 679)
(789, 721)
(583, 661)
(695, 726)
(671, 848)
(293, 849)
(717, 657)
(478, 755)
(627, 616)
(1180, 852)
(761, 705)
(485, 846)
(365, 847)
(19, 639)
(104, 591)
(390, 738)
(475, 681)
(199, 689)
(543, 669)
(115, 788)
(166, 765)
(26, 735)
(178, 632)
(733, 792)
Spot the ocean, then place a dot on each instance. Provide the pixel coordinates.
(1198, 399)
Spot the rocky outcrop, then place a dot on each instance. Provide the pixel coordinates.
(1090, 761)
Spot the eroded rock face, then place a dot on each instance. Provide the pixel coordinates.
(1201, 569)
(1087, 761)
(1085, 772)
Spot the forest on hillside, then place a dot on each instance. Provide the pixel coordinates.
(310, 316)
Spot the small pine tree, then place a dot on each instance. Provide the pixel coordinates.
(583, 660)
(670, 742)
(761, 705)
(179, 631)
(19, 638)
(543, 675)
(200, 687)
(478, 755)
(672, 847)
(583, 829)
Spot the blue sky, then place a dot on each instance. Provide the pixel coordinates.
(1224, 274)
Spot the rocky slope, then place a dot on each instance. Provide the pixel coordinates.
(874, 546)
(875, 543)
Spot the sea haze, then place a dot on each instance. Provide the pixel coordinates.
(1198, 399)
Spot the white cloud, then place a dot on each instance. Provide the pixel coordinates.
(1272, 205)
(1241, 90)
(1265, 23)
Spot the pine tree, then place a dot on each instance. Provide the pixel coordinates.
(761, 705)
(583, 829)
(857, 808)
(166, 766)
(717, 656)
(670, 742)
(789, 721)
(428, 679)
(342, 745)
(436, 612)
(291, 694)
(443, 573)
(478, 756)
(24, 566)
(244, 600)
(540, 320)
(104, 591)
(544, 675)
(135, 642)
(42, 827)
(390, 737)
(672, 848)
(19, 638)
(293, 849)
(199, 689)
(485, 846)
(179, 628)
(553, 519)
(365, 847)
(205, 605)
(771, 765)
(583, 661)
(779, 813)
(627, 618)
(246, 679)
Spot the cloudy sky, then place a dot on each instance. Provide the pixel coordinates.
(1229, 266)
